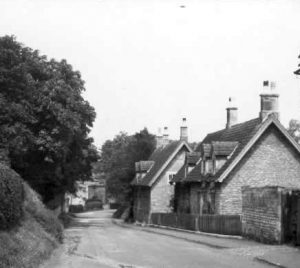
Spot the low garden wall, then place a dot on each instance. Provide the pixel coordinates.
(219, 224)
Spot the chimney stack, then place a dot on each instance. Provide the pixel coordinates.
(269, 101)
(159, 138)
(165, 136)
(184, 130)
(232, 116)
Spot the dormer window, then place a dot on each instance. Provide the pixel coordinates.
(209, 166)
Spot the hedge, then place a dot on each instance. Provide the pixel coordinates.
(11, 198)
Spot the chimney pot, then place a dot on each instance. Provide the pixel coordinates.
(232, 113)
(165, 136)
(269, 101)
(184, 130)
(159, 138)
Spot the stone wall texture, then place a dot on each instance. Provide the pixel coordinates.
(272, 161)
(162, 191)
(262, 214)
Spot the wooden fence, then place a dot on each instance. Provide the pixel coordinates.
(219, 224)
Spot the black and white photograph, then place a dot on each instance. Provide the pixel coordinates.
(149, 133)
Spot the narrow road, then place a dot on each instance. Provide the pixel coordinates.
(94, 240)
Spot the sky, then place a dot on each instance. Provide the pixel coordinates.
(148, 63)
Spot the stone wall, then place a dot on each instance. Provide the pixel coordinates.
(162, 191)
(262, 214)
(271, 161)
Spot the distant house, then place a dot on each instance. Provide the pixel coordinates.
(151, 185)
(88, 190)
(255, 153)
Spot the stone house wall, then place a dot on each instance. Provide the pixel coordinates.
(162, 191)
(271, 161)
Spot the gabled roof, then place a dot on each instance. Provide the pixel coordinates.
(246, 134)
(161, 157)
(192, 159)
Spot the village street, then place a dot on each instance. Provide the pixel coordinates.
(94, 240)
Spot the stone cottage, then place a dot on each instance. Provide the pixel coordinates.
(152, 190)
(256, 153)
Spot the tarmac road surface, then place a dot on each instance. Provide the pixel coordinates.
(93, 240)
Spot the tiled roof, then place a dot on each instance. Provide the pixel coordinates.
(143, 166)
(160, 157)
(223, 148)
(193, 158)
(241, 133)
(180, 175)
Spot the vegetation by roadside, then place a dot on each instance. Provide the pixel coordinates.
(33, 238)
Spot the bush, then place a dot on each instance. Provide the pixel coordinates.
(76, 208)
(45, 217)
(11, 197)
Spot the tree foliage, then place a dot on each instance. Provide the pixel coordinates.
(294, 129)
(44, 120)
(118, 157)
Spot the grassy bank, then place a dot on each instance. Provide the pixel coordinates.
(34, 238)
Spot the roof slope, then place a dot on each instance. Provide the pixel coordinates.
(192, 159)
(180, 175)
(161, 157)
(241, 133)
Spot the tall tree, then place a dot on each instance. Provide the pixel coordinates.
(294, 129)
(44, 120)
(118, 157)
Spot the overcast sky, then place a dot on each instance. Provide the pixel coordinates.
(148, 63)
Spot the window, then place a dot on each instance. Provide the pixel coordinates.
(170, 177)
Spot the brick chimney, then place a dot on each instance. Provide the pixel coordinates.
(232, 113)
(184, 130)
(269, 101)
(165, 136)
(159, 138)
